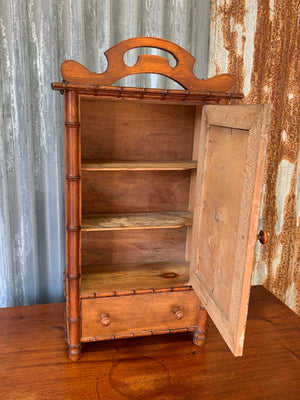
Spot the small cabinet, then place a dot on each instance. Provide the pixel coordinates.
(163, 192)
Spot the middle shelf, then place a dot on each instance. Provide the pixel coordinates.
(113, 221)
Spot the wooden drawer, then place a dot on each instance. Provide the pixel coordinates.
(137, 315)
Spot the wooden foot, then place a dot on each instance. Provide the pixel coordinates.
(200, 333)
(74, 353)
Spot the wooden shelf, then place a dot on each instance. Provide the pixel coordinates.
(126, 279)
(104, 222)
(138, 165)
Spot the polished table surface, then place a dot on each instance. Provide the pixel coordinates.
(34, 362)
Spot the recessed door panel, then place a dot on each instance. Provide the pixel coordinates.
(228, 193)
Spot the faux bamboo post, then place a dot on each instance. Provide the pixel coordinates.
(73, 222)
(200, 332)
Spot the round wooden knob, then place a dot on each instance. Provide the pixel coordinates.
(263, 237)
(178, 313)
(105, 319)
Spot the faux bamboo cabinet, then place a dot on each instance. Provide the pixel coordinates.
(163, 191)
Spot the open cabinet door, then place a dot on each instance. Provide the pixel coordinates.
(229, 182)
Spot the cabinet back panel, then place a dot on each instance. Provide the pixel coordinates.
(124, 130)
(135, 191)
(137, 246)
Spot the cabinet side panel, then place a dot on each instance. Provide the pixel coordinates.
(192, 190)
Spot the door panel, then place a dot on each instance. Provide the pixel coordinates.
(228, 193)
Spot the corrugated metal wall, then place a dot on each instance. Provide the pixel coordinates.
(36, 36)
(258, 42)
(255, 40)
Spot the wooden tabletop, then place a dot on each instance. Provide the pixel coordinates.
(34, 362)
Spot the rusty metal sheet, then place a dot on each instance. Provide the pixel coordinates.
(258, 42)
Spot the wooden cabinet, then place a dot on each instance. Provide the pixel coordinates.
(163, 192)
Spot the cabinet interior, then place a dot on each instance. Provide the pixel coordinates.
(138, 169)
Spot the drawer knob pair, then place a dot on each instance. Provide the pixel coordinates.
(105, 319)
(178, 313)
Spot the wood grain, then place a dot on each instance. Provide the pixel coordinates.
(148, 95)
(138, 157)
(103, 222)
(73, 221)
(221, 197)
(231, 116)
(133, 246)
(229, 179)
(135, 131)
(137, 165)
(145, 312)
(193, 182)
(182, 73)
(135, 191)
(125, 278)
(34, 364)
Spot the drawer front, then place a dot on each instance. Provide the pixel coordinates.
(104, 318)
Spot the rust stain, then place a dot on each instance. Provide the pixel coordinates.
(233, 13)
(274, 80)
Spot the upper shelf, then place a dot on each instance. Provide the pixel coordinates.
(104, 222)
(137, 165)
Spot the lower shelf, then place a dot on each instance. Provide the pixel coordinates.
(126, 279)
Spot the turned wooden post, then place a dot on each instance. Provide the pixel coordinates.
(200, 333)
(73, 222)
